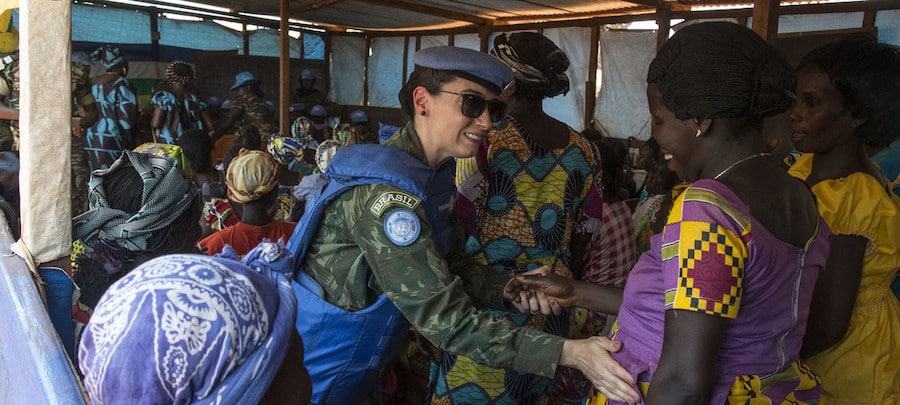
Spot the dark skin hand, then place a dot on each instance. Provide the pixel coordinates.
(557, 292)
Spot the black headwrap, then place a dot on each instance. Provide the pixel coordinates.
(537, 62)
(179, 72)
(721, 70)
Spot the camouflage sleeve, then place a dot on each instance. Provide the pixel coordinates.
(482, 283)
(418, 281)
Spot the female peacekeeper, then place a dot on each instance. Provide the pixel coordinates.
(377, 249)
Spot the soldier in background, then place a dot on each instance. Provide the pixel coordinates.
(84, 114)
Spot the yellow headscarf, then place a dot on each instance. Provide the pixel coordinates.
(250, 175)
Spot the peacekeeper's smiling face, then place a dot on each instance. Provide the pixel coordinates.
(459, 135)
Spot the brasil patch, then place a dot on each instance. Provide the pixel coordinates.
(402, 227)
(394, 198)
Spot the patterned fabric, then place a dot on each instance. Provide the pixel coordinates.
(167, 193)
(173, 152)
(521, 208)
(860, 205)
(112, 133)
(191, 329)
(285, 204)
(608, 261)
(251, 175)
(289, 152)
(647, 213)
(219, 214)
(180, 115)
(108, 55)
(252, 110)
(611, 256)
(353, 260)
(713, 257)
(81, 97)
(754, 390)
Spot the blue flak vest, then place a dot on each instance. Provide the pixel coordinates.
(345, 351)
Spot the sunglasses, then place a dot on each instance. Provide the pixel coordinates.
(474, 105)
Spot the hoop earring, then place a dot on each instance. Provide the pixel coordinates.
(699, 132)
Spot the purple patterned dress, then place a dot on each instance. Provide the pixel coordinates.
(713, 257)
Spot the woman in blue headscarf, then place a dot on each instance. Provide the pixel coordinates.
(196, 329)
(117, 101)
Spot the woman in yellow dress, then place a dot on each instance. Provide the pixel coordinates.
(848, 97)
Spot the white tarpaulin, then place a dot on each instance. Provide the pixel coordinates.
(348, 69)
(385, 71)
(576, 43)
(622, 106)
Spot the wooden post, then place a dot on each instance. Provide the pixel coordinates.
(366, 76)
(154, 36)
(664, 21)
(765, 19)
(590, 90)
(245, 35)
(284, 72)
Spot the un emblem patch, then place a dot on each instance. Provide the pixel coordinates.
(402, 227)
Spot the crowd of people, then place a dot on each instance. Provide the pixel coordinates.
(487, 253)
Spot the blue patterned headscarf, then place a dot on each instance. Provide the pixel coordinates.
(192, 329)
(108, 55)
(288, 152)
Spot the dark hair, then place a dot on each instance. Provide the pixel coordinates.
(867, 74)
(721, 70)
(430, 79)
(612, 155)
(196, 146)
(246, 137)
(108, 262)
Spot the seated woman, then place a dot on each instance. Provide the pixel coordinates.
(196, 329)
(848, 97)
(252, 185)
(142, 207)
(715, 311)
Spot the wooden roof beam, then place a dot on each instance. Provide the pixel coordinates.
(433, 11)
(671, 5)
(315, 6)
(538, 18)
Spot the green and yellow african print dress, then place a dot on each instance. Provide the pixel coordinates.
(520, 208)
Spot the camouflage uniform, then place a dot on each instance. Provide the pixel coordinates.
(355, 261)
(252, 110)
(81, 97)
(9, 129)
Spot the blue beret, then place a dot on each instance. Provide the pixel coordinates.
(468, 64)
(358, 116)
(317, 110)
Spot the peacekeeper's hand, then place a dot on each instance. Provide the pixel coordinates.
(592, 357)
(524, 299)
(560, 292)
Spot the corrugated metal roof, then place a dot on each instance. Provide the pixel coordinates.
(416, 15)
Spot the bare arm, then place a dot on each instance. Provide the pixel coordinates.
(562, 292)
(835, 295)
(687, 367)
(158, 119)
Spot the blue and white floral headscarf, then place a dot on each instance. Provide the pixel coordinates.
(191, 329)
(108, 55)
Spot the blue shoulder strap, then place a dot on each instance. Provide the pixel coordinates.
(352, 166)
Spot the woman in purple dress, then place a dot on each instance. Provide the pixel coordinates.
(716, 310)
